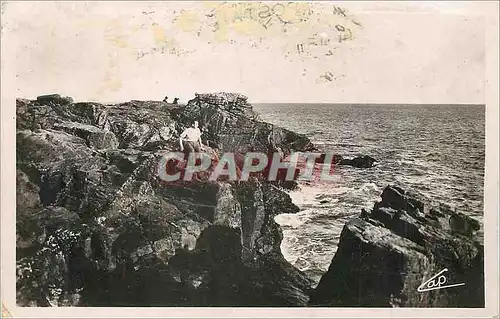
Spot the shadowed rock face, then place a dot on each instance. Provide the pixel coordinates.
(96, 227)
(386, 254)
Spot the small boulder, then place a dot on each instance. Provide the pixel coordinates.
(364, 161)
(54, 98)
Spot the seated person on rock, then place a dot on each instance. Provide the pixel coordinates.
(190, 139)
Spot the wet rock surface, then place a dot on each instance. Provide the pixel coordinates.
(385, 255)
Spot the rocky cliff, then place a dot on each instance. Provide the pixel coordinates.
(96, 226)
(402, 254)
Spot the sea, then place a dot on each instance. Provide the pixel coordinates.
(436, 151)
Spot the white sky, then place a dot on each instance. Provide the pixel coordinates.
(404, 53)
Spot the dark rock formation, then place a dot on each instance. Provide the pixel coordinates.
(230, 123)
(359, 162)
(54, 98)
(386, 254)
(96, 227)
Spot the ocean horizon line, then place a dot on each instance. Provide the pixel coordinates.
(370, 104)
(280, 103)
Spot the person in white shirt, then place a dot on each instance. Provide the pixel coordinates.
(190, 139)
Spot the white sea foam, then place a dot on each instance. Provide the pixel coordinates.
(293, 220)
(369, 187)
(305, 195)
